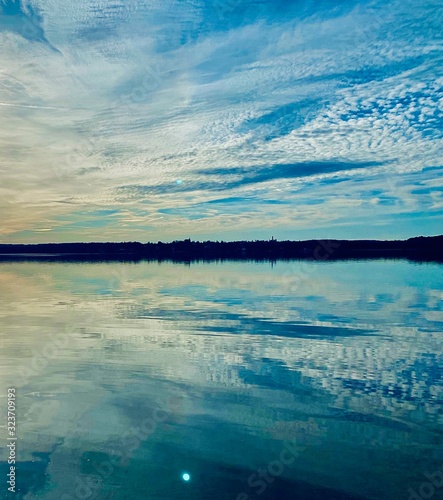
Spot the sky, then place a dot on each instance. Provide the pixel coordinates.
(157, 120)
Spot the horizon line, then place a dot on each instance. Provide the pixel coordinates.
(217, 241)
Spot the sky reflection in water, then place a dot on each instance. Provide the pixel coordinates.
(169, 381)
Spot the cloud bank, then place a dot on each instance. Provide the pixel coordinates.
(220, 119)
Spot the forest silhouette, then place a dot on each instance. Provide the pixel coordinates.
(418, 248)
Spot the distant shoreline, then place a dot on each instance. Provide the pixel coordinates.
(420, 248)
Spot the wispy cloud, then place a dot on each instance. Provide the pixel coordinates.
(310, 116)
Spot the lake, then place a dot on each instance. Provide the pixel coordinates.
(228, 380)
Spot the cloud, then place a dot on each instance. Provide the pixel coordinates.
(152, 108)
(21, 18)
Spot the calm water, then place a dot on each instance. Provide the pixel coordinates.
(293, 381)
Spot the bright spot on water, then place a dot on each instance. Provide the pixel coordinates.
(186, 476)
(178, 181)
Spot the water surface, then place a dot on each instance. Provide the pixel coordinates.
(297, 380)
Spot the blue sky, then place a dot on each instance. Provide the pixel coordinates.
(148, 120)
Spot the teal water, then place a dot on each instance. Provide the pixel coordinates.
(234, 380)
